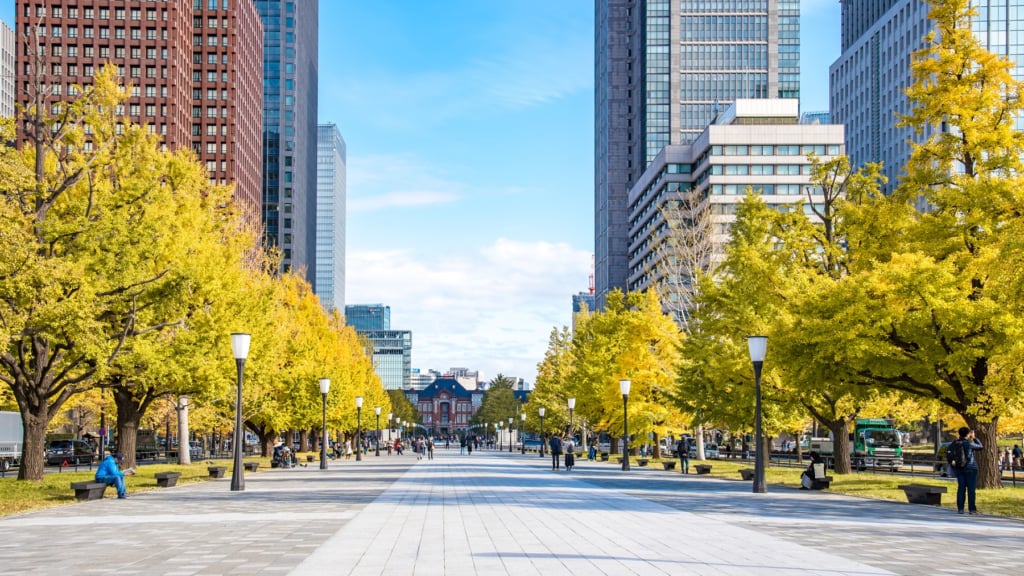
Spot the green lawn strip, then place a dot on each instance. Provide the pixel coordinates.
(55, 488)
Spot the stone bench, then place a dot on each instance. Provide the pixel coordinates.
(669, 464)
(821, 483)
(251, 466)
(216, 471)
(167, 479)
(923, 493)
(703, 468)
(309, 457)
(604, 456)
(747, 473)
(642, 461)
(89, 490)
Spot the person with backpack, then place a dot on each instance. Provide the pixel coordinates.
(964, 465)
(683, 449)
(556, 451)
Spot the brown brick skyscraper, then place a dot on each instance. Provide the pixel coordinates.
(195, 67)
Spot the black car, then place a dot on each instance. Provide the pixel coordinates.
(71, 451)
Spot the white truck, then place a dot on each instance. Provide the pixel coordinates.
(11, 440)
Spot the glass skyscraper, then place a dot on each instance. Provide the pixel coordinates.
(364, 317)
(868, 80)
(329, 275)
(664, 71)
(290, 45)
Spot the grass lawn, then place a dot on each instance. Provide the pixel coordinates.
(1005, 502)
(55, 488)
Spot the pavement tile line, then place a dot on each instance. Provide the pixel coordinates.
(490, 514)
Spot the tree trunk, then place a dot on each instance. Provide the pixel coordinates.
(840, 445)
(988, 457)
(128, 417)
(33, 446)
(184, 446)
(657, 446)
(700, 442)
(303, 441)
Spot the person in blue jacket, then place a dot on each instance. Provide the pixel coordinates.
(110, 472)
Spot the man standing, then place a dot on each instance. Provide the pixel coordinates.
(556, 451)
(683, 449)
(960, 456)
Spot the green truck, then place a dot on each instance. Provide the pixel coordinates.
(875, 443)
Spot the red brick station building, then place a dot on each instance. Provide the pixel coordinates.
(446, 407)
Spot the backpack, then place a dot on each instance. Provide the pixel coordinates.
(956, 454)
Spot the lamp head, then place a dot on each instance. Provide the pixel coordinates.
(523, 416)
(509, 420)
(757, 346)
(359, 401)
(572, 403)
(325, 385)
(390, 416)
(541, 411)
(376, 410)
(240, 345)
(624, 386)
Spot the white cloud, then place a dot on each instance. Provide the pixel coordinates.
(489, 310)
(382, 182)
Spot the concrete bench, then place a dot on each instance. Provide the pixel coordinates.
(251, 466)
(703, 468)
(669, 464)
(604, 456)
(821, 483)
(747, 473)
(642, 461)
(923, 493)
(216, 471)
(89, 490)
(167, 479)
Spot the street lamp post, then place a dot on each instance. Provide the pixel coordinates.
(390, 416)
(359, 427)
(758, 346)
(522, 436)
(325, 385)
(541, 412)
(509, 434)
(376, 437)
(624, 388)
(240, 350)
(572, 406)
(497, 432)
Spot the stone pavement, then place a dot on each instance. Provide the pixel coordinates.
(500, 513)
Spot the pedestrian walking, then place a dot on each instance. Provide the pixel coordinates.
(1018, 456)
(683, 449)
(469, 447)
(462, 446)
(555, 444)
(592, 452)
(430, 448)
(962, 461)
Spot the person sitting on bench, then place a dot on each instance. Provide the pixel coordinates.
(807, 477)
(110, 472)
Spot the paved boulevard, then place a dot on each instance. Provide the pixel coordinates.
(504, 513)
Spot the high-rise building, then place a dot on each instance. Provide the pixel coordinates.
(290, 72)
(664, 70)
(194, 68)
(365, 317)
(867, 82)
(392, 356)
(329, 273)
(6, 70)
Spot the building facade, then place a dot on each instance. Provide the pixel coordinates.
(6, 70)
(445, 406)
(664, 71)
(867, 82)
(193, 67)
(364, 317)
(289, 138)
(392, 356)
(757, 144)
(329, 267)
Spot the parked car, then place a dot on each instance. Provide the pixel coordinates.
(710, 450)
(70, 451)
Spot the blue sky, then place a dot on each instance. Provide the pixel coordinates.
(469, 127)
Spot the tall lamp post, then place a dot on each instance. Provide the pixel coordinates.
(758, 346)
(509, 434)
(390, 416)
(624, 388)
(359, 427)
(376, 438)
(325, 385)
(497, 432)
(541, 412)
(522, 436)
(572, 406)
(240, 350)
